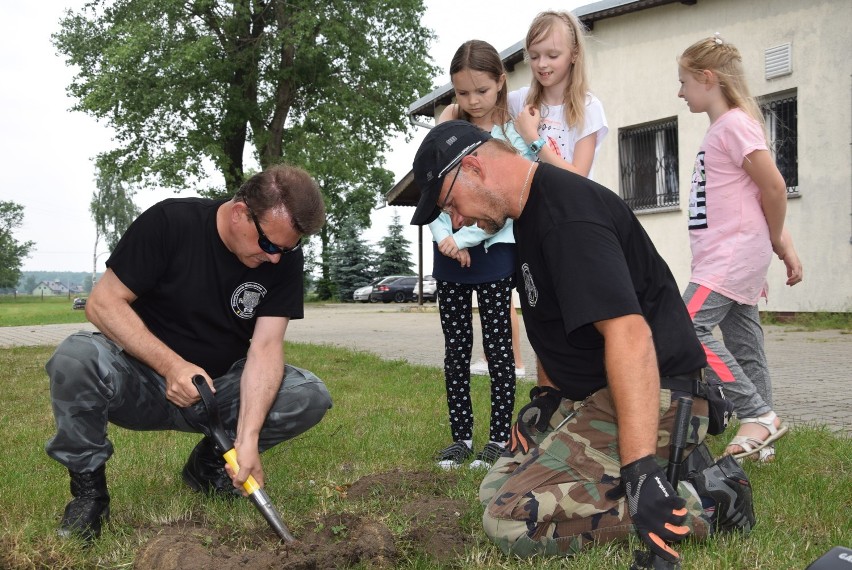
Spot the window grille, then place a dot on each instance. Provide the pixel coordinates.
(781, 125)
(648, 165)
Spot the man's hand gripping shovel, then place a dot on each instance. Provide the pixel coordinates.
(647, 560)
(257, 495)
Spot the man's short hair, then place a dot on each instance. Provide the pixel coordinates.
(290, 187)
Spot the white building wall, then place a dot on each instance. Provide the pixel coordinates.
(633, 71)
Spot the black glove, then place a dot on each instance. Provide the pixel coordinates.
(657, 511)
(544, 401)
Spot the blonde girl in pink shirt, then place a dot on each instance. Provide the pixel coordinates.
(737, 205)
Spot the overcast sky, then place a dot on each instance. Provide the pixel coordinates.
(46, 151)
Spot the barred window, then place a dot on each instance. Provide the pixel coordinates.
(648, 165)
(781, 115)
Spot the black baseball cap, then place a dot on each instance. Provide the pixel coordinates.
(441, 150)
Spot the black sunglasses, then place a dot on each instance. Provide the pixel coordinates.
(264, 242)
(443, 206)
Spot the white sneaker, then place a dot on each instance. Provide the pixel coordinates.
(520, 372)
(479, 367)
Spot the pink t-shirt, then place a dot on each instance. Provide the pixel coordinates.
(728, 232)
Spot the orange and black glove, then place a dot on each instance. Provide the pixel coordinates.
(656, 509)
(544, 401)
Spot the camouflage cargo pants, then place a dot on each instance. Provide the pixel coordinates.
(94, 382)
(552, 500)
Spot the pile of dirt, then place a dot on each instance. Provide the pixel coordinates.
(333, 540)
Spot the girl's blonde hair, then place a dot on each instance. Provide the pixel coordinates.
(477, 55)
(724, 60)
(574, 97)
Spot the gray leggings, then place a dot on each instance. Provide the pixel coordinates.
(94, 382)
(740, 361)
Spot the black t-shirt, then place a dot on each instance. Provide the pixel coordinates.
(194, 294)
(583, 257)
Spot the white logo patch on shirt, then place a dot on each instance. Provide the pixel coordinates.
(246, 298)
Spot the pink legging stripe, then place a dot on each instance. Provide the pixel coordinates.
(713, 360)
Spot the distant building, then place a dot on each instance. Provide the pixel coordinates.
(54, 288)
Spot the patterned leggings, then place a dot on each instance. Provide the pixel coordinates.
(455, 304)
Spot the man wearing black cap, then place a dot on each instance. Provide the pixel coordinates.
(615, 346)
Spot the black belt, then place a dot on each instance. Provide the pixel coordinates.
(693, 383)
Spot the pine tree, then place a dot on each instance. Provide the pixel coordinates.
(352, 261)
(394, 252)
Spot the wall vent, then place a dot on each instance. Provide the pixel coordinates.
(778, 61)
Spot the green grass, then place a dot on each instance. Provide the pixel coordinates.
(386, 415)
(809, 321)
(25, 310)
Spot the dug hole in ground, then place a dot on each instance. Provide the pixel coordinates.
(327, 541)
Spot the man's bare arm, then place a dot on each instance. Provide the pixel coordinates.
(108, 308)
(634, 382)
(259, 385)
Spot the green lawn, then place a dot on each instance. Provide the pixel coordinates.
(24, 310)
(386, 415)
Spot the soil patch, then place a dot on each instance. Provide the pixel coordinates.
(416, 499)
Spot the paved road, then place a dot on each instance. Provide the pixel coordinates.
(810, 370)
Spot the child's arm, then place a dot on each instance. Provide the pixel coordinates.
(791, 260)
(449, 113)
(760, 166)
(584, 155)
(584, 150)
(454, 245)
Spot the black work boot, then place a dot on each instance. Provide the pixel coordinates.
(89, 508)
(205, 471)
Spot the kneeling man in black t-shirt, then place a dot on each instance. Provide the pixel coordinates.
(195, 287)
(615, 348)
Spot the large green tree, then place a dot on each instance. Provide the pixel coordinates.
(394, 257)
(321, 84)
(12, 252)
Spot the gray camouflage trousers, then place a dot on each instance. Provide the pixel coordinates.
(94, 382)
(552, 500)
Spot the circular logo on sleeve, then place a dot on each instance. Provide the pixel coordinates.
(246, 298)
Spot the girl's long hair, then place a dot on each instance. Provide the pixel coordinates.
(724, 60)
(477, 55)
(575, 95)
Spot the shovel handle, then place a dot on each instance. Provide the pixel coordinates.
(231, 458)
(217, 432)
(255, 494)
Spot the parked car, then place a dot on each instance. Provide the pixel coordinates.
(395, 288)
(363, 293)
(430, 288)
(79, 303)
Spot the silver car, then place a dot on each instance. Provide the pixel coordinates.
(362, 294)
(430, 288)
